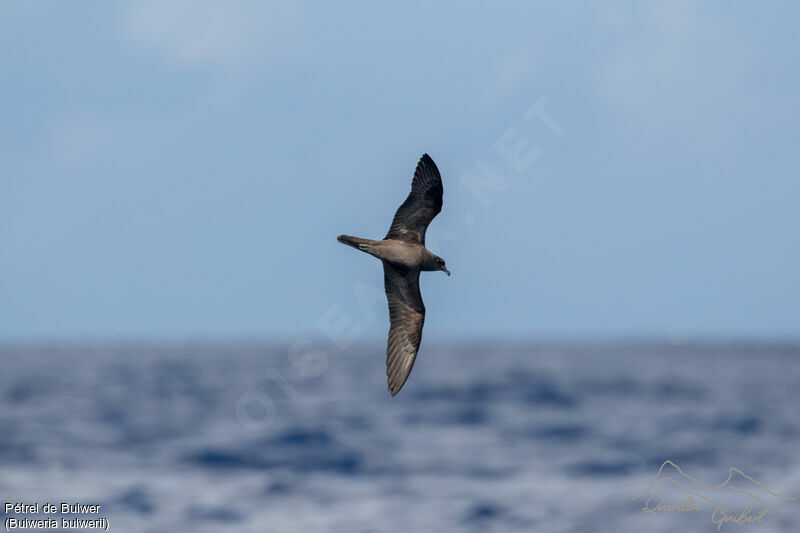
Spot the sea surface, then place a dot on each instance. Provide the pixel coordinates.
(260, 437)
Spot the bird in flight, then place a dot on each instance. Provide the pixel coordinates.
(404, 255)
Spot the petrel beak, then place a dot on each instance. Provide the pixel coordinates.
(446, 271)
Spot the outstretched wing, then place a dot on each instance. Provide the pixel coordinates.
(423, 203)
(406, 315)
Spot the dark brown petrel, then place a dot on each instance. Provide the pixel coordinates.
(404, 255)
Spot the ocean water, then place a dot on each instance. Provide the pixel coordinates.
(484, 437)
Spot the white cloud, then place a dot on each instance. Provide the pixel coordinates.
(513, 70)
(670, 61)
(228, 35)
(78, 139)
(78, 165)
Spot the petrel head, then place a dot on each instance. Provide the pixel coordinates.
(440, 264)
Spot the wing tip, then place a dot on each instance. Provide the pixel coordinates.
(428, 166)
(394, 386)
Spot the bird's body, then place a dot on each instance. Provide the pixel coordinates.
(404, 255)
(409, 255)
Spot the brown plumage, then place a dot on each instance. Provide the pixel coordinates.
(404, 255)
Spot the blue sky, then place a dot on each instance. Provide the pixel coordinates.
(181, 169)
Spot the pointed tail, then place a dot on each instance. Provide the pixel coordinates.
(353, 241)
